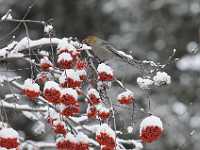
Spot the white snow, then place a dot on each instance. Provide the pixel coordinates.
(82, 72)
(70, 91)
(161, 78)
(130, 129)
(76, 44)
(51, 84)
(43, 53)
(64, 44)
(144, 83)
(127, 93)
(70, 137)
(23, 44)
(82, 138)
(79, 119)
(102, 108)
(105, 129)
(52, 113)
(189, 63)
(94, 92)
(8, 133)
(152, 63)
(31, 85)
(65, 56)
(7, 16)
(151, 121)
(104, 68)
(57, 122)
(86, 47)
(61, 107)
(15, 55)
(69, 73)
(10, 46)
(48, 28)
(125, 55)
(3, 52)
(45, 60)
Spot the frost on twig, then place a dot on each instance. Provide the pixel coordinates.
(48, 28)
(7, 16)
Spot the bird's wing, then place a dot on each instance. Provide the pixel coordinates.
(125, 57)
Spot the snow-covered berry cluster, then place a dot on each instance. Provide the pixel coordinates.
(151, 129)
(161, 78)
(96, 108)
(62, 81)
(105, 136)
(126, 97)
(105, 72)
(71, 142)
(31, 89)
(9, 138)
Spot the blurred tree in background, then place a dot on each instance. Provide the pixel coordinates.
(150, 29)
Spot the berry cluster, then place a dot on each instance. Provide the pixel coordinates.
(63, 83)
(9, 138)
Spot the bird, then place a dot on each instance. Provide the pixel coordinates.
(99, 47)
(106, 51)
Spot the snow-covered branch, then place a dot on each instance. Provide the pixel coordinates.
(20, 107)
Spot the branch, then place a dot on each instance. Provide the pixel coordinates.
(12, 50)
(18, 107)
(24, 21)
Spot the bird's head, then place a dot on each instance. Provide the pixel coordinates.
(90, 40)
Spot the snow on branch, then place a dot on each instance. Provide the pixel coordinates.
(20, 107)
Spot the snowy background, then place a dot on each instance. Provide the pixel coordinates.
(151, 30)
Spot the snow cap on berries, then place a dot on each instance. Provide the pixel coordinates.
(93, 96)
(161, 78)
(65, 60)
(102, 108)
(9, 138)
(69, 96)
(65, 46)
(51, 84)
(103, 112)
(31, 89)
(82, 74)
(70, 78)
(59, 127)
(91, 112)
(45, 63)
(105, 72)
(31, 85)
(69, 142)
(8, 133)
(144, 83)
(69, 110)
(150, 129)
(70, 91)
(93, 92)
(42, 77)
(104, 128)
(52, 91)
(126, 97)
